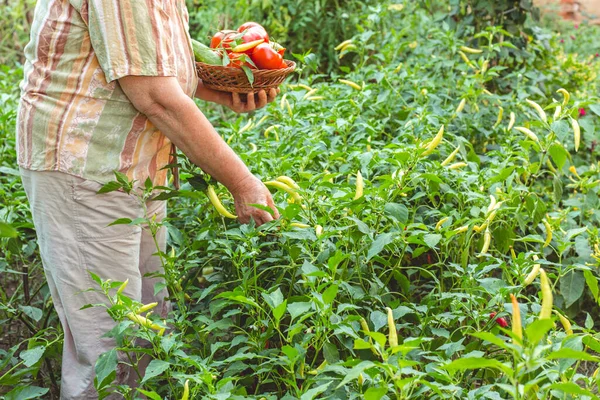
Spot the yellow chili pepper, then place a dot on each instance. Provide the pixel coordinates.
(309, 93)
(471, 50)
(511, 121)
(289, 108)
(318, 230)
(438, 226)
(528, 133)
(247, 46)
(146, 307)
(248, 125)
(299, 225)
(512, 253)
(434, 143)
(253, 147)
(123, 286)
(285, 188)
(260, 121)
(461, 106)
(305, 87)
(548, 233)
(212, 196)
(550, 166)
(499, 119)
(576, 133)
(315, 98)
(487, 239)
(517, 327)
(564, 322)
(539, 109)
(533, 274)
(457, 165)
(393, 335)
(398, 68)
(350, 83)
(143, 321)
(465, 59)
(283, 100)
(288, 181)
(566, 96)
(493, 203)
(344, 43)
(449, 159)
(573, 170)
(359, 186)
(462, 229)
(557, 112)
(547, 299)
(270, 129)
(186, 390)
(364, 325)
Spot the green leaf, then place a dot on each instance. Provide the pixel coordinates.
(360, 344)
(374, 393)
(592, 283)
(571, 287)
(463, 364)
(106, 368)
(298, 308)
(26, 393)
(32, 356)
(155, 368)
(378, 244)
(574, 354)
(32, 312)
(248, 73)
(110, 187)
(330, 293)
(490, 337)
(397, 211)
(274, 298)
(313, 393)
(7, 230)
(280, 310)
(121, 221)
(595, 108)
(150, 395)
(432, 239)
(536, 330)
(331, 353)
(572, 388)
(559, 155)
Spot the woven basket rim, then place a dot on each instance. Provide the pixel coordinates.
(229, 79)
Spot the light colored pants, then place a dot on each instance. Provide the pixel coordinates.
(71, 222)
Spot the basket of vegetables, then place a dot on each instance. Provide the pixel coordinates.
(242, 61)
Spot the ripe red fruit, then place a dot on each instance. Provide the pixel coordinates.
(500, 321)
(225, 36)
(266, 58)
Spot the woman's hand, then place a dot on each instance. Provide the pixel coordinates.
(252, 191)
(253, 101)
(234, 101)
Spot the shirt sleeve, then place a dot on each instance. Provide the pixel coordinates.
(131, 37)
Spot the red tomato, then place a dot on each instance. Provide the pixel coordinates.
(278, 48)
(248, 25)
(254, 33)
(225, 36)
(266, 58)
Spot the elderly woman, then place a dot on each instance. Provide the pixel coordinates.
(108, 87)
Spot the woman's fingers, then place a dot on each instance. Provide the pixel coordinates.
(236, 102)
(262, 99)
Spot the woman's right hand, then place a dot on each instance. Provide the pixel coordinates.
(252, 191)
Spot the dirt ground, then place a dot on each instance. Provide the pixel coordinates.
(577, 10)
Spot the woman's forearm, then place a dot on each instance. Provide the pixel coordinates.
(178, 118)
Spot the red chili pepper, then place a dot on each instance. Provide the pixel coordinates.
(582, 112)
(500, 321)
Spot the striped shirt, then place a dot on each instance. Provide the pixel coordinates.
(73, 116)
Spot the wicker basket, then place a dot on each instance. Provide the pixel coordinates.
(227, 79)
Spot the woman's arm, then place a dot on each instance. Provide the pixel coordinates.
(165, 104)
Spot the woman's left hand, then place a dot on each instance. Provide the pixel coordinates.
(253, 101)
